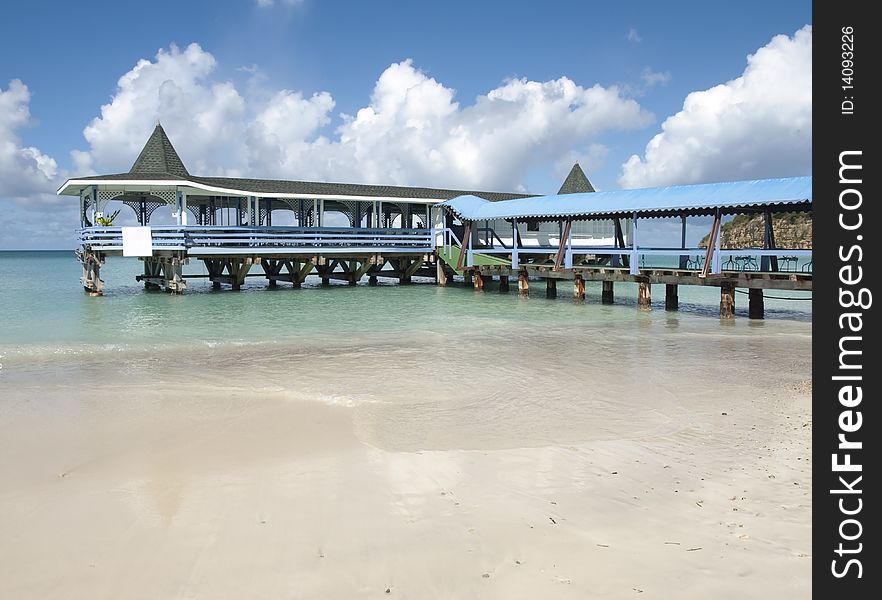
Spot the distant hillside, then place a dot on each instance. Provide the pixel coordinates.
(792, 230)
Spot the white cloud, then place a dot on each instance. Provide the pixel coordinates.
(757, 125)
(412, 132)
(271, 3)
(633, 36)
(24, 171)
(652, 78)
(32, 215)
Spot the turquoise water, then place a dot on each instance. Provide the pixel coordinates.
(418, 364)
(44, 307)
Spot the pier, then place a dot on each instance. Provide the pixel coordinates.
(285, 231)
(497, 242)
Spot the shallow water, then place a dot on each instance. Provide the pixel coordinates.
(422, 367)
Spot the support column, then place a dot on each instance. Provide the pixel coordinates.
(755, 303)
(523, 284)
(91, 279)
(672, 300)
(551, 288)
(578, 287)
(467, 278)
(607, 296)
(441, 275)
(239, 270)
(503, 283)
(372, 280)
(727, 300)
(683, 258)
(172, 272)
(479, 282)
(644, 295)
(152, 273)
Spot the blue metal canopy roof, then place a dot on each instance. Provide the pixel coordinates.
(696, 199)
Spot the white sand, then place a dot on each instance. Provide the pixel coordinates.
(260, 496)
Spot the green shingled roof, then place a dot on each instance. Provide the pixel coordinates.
(159, 156)
(576, 182)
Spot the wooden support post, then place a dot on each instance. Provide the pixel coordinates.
(607, 294)
(672, 301)
(440, 273)
(578, 287)
(172, 274)
(619, 259)
(551, 288)
(152, 274)
(239, 270)
(479, 281)
(712, 239)
(467, 278)
(562, 248)
(755, 304)
(644, 295)
(523, 284)
(683, 258)
(466, 243)
(727, 300)
(372, 280)
(503, 283)
(768, 262)
(91, 279)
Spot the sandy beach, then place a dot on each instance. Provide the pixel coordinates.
(250, 490)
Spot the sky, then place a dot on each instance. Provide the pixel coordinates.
(501, 96)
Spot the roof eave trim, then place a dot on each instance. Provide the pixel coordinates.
(241, 192)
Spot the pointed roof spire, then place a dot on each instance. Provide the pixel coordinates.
(576, 182)
(159, 156)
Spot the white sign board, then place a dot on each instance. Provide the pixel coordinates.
(137, 241)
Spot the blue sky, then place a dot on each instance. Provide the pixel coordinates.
(647, 57)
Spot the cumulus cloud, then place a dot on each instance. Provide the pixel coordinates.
(24, 170)
(757, 125)
(32, 216)
(413, 130)
(633, 36)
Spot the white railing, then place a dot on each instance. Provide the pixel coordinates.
(744, 259)
(201, 240)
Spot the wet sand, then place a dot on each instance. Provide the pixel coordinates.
(251, 492)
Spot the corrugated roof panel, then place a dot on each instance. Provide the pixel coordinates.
(646, 202)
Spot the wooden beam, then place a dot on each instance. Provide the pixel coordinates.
(711, 244)
(564, 236)
(413, 268)
(440, 273)
(551, 288)
(620, 241)
(466, 235)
